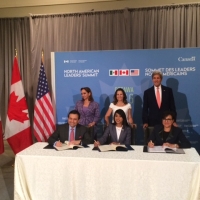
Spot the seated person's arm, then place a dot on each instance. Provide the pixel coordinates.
(86, 137)
(54, 137)
(104, 138)
(152, 139)
(128, 137)
(183, 141)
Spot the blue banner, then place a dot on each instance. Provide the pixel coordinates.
(105, 71)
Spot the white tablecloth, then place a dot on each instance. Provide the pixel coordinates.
(83, 174)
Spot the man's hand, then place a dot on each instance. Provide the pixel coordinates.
(58, 144)
(145, 125)
(115, 143)
(75, 142)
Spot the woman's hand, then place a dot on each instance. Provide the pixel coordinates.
(133, 125)
(96, 143)
(91, 124)
(75, 142)
(170, 145)
(115, 143)
(150, 144)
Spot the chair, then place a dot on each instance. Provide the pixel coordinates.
(133, 134)
(147, 132)
(91, 133)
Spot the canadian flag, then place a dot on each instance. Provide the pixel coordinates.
(1, 138)
(124, 72)
(17, 129)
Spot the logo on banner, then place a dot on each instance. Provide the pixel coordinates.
(124, 72)
(113, 72)
(191, 59)
(134, 72)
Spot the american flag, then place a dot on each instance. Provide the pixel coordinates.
(1, 138)
(44, 123)
(134, 72)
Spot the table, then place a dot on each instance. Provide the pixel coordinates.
(83, 174)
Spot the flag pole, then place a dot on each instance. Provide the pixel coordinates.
(16, 53)
(42, 57)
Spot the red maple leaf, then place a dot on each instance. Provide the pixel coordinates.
(16, 108)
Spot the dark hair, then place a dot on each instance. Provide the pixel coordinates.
(123, 115)
(88, 90)
(166, 113)
(115, 96)
(74, 112)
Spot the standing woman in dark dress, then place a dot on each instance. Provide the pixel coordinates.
(89, 110)
(167, 134)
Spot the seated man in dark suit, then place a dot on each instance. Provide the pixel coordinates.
(156, 100)
(71, 131)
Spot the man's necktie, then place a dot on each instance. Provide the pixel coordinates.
(71, 135)
(158, 97)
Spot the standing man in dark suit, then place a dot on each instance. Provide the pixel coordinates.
(156, 100)
(71, 131)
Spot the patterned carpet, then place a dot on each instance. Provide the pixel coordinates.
(7, 173)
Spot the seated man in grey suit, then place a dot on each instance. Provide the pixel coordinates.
(71, 131)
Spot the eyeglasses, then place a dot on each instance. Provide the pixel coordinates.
(167, 120)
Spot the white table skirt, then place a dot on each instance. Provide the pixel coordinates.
(83, 174)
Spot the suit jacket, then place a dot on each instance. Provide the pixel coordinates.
(62, 134)
(175, 136)
(92, 115)
(124, 138)
(151, 113)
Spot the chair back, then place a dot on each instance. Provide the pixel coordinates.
(133, 134)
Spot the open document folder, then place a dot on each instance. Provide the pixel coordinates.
(163, 149)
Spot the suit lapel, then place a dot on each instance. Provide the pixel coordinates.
(65, 131)
(122, 134)
(171, 135)
(78, 135)
(163, 95)
(154, 94)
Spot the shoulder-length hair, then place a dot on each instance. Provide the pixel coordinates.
(115, 96)
(123, 115)
(88, 90)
